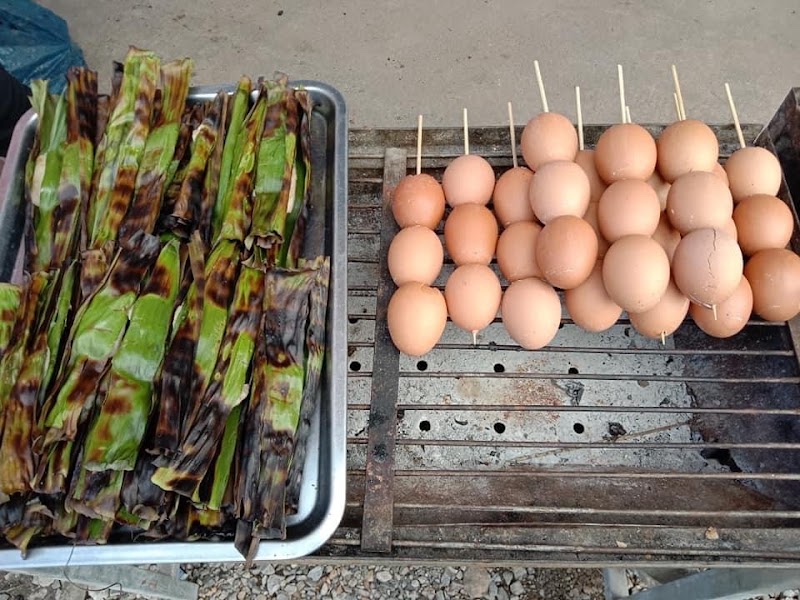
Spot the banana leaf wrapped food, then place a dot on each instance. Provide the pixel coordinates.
(160, 361)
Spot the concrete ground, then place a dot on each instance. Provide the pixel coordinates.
(395, 60)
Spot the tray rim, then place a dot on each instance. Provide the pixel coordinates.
(336, 475)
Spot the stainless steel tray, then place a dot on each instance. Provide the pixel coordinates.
(322, 498)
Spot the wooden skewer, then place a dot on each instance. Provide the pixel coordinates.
(735, 115)
(513, 135)
(580, 116)
(678, 93)
(621, 92)
(466, 133)
(677, 106)
(419, 144)
(474, 338)
(628, 113)
(714, 310)
(663, 338)
(540, 83)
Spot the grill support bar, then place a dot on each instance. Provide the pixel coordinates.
(378, 521)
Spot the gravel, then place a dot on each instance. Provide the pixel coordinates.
(288, 582)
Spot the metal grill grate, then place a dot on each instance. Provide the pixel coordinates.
(597, 449)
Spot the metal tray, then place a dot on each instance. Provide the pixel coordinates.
(322, 498)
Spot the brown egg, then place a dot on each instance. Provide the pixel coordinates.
(516, 251)
(774, 275)
(470, 234)
(753, 170)
(661, 188)
(686, 146)
(589, 304)
(531, 313)
(418, 200)
(510, 198)
(469, 179)
(636, 273)
(566, 251)
(473, 295)
(585, 160)
(559, 188)
(416, 316)
(719, 171)
(547, 137)
(698, 200)
(665, 317)
(763, 222)
(732, 314)
(628, 207)
(625, 151)
(415, 254)
(667, 237)
(707, 266)
(591, 218)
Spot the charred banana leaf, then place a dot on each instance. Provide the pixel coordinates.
(159, 150)
(226, 389)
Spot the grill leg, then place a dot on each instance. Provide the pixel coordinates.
(713, 584)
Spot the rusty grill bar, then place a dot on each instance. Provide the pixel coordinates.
(598, 449)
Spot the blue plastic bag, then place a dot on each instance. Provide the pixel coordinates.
(35, 44)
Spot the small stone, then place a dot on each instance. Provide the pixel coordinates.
(415, 584)
(281, 596)
(268, 569)
(445, 579)
(439, 595)
(315, 574)
(273, 584)
(519, 572)
(712, 533)
(493, 590)
(4, 596)
(476, 581)
(324, 589)
(502, 594)
(261, 597)
(290, 589)
(241, 595)
(383, 576)
(508, 577)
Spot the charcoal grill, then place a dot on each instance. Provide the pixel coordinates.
(599, 450)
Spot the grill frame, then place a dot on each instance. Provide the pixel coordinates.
(446, 514)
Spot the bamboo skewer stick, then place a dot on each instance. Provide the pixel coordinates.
(580, 117)
(513, 135)
(735, 116)
(419, 144)
(540, 83)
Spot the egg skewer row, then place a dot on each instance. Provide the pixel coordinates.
(510, 195)
(417, 313)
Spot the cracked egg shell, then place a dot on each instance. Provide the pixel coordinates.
(707, 266)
